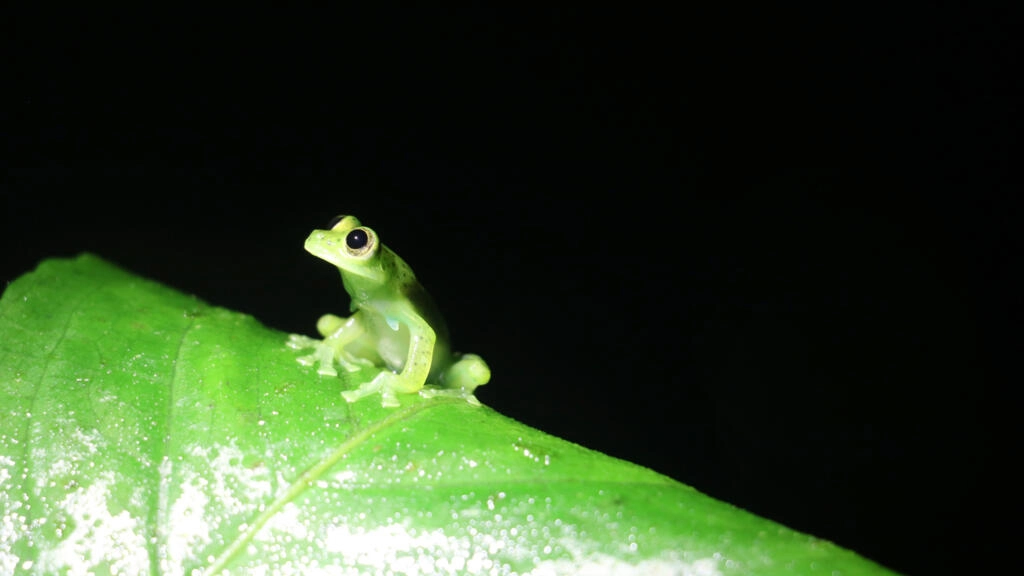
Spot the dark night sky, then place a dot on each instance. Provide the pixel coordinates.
(767, 254)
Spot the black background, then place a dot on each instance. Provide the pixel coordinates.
(767, 253)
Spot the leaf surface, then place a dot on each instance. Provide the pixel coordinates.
(145, 431)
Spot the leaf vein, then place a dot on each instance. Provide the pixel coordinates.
(309, 477)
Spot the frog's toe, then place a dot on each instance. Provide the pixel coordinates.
(300, 342)
(383, 383)
(322, 355)
(326, 369)
(364, 389)
(433, 392)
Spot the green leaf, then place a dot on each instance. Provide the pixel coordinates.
(144, 431)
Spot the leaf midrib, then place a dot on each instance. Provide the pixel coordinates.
(315, 472)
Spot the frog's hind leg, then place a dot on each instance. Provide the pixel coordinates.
(328, 324)
(467, 373)
(461, 379)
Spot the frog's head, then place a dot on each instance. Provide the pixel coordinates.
(352, 247)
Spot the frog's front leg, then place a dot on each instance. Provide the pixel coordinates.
(338, 332)
(383, 383)
(419, 358)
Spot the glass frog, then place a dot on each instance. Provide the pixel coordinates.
(394, 323)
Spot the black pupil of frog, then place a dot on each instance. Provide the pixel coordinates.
(357, 239)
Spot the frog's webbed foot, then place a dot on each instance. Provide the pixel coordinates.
(322, 354)
(325, 355)
(383, 383)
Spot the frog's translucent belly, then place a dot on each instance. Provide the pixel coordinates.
(390, 348)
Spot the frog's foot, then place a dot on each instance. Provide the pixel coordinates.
(325, 354)
(383, 383)
(435, 391)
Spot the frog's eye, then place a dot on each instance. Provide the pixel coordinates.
(334, 221)
(360, 241)
(357, 239)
